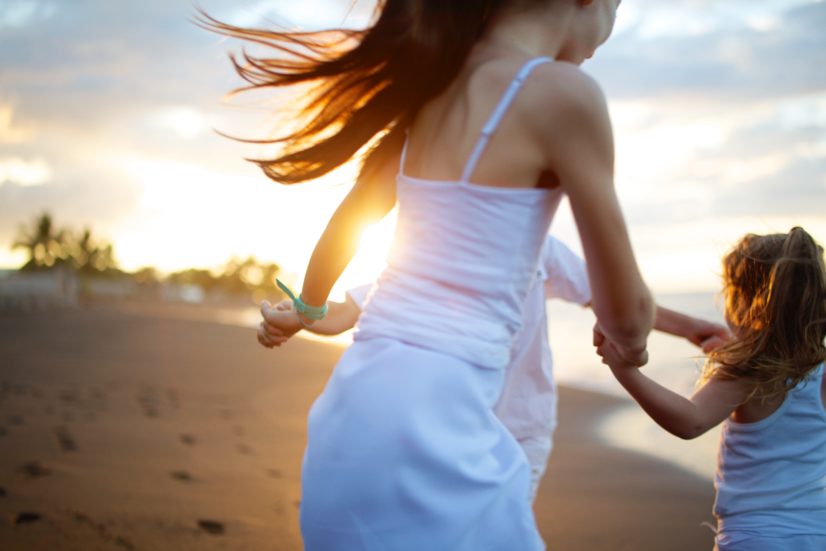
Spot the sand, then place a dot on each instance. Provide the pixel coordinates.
(149, 427)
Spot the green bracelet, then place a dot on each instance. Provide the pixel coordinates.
(312, 312)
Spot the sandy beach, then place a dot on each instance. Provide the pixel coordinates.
(149, 427)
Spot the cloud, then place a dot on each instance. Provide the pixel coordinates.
(92, 197)
(12, 132)
(24, 172)
(720, 112)
(20, 13)
(736, 60)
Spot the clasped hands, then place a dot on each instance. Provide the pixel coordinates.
(705, 335)
(279, 323)
(616, 355)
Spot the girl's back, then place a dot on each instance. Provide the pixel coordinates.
(460, 244)
(446, 130)
(771, 473)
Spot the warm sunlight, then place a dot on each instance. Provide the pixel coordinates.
(371, 257)
(153, 395)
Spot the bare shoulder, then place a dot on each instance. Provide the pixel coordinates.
(570, 125)
(561, 95)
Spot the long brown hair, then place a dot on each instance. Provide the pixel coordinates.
(775, 292)
(368, 84)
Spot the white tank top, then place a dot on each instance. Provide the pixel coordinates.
(462, 260)
(771, 475)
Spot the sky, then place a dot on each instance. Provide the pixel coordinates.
(108, 112)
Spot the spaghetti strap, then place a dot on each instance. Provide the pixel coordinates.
(496, 117)
(403, 157)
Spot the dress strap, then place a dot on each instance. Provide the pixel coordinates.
(498, 114)
(403, 157)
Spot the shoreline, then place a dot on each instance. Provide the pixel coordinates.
(151, 428)
(640, 433)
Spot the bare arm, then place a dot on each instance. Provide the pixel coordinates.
(567, 278)
(705, 334)
(581, 152)
(686, 418)
(371, 198)
(368, 202)
(340, 317)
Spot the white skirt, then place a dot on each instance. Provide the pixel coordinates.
(405, 453)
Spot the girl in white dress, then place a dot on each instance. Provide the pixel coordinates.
(528, 404)
(475, 118)
(767, 387)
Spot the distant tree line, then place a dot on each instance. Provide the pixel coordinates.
(49, 247)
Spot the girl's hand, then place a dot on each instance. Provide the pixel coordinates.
(279, 324)
(708, 336)
(714, 342)
(618, 356)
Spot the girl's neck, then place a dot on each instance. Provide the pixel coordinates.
(534, 33)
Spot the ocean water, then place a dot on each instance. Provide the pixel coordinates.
(673, 362)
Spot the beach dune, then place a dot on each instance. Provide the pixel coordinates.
(154, 427)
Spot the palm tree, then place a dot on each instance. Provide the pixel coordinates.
(90, 256)
(46, 245)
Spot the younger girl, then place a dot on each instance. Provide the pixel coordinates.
(767, 387)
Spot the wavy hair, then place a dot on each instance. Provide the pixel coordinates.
(775, 299)
(366, 86)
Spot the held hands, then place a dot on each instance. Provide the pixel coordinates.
(708, 336)
(704, 334)
(617, 356)
(279, 324)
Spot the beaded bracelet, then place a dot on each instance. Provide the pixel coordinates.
(312, 312)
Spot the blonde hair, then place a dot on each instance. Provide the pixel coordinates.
(775, 300)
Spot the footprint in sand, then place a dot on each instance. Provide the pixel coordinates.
(2, 492)
(211, 526)
(3, 431)
(97, 394)
(103, 531)
(182, 476)
(275, 473)
(65, 440)
(243, 449)
(149, 402)
(34, 469)
(25, 517)
(16, 419)
(238, 430)
(68, 396)
(226, 414)
(188, 439)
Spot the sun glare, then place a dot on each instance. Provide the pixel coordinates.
(371, 257)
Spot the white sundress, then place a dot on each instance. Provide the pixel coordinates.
(403, 450)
